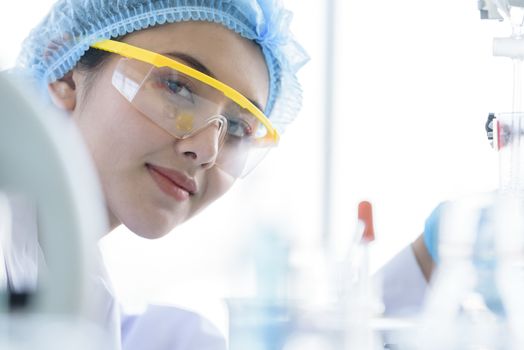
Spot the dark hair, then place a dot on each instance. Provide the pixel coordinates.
(91, 62)
(92, 59)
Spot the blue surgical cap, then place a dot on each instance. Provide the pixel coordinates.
(56, 45)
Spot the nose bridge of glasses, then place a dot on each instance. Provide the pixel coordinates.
(212, 127)
(204, 143)
(204, 111)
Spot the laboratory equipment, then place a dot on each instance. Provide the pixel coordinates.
(507, 129)
(44, 161)
(473, 301)
(283, 316)
(359, 297)
(508, 140)
(263, 321)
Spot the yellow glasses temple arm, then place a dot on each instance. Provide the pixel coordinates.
(158, 60)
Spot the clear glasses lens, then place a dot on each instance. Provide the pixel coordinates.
(183, 105)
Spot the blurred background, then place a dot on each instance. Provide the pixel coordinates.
(395, 99)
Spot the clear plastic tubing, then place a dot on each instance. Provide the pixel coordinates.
(515, 181)
(510, 130)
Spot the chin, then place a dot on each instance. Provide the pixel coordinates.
(151, 230)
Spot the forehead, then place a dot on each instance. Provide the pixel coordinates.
(229, 57)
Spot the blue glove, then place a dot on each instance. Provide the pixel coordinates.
(431, 229)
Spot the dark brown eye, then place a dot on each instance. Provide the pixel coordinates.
(178, 88)
(238, 128)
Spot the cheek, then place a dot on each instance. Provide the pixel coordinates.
(217, 184)
(120, 140)
(114, 131)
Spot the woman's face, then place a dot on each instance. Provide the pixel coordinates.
(152, 181)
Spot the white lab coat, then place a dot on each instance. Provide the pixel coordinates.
(403, 285)
(169, 328)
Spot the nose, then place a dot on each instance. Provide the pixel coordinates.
(202, 147)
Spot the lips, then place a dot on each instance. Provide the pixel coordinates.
(172, 182)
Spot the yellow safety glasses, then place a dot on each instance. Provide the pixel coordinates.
(183, 101)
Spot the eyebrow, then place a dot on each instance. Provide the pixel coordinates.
(194, 63)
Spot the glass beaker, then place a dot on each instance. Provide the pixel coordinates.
(473, 302)
(508, 139)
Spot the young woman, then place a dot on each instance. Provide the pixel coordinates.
(175, 101)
